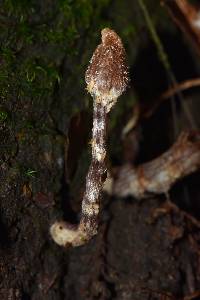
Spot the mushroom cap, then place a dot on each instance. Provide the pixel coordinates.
(107, 74)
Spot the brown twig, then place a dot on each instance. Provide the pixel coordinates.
(188, 84)
(182, 86)
(186, 16)
(158, 175)
(146, 112)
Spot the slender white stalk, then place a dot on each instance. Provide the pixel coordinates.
(106, 79)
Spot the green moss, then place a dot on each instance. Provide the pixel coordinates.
(40, 42)
(30, 173)
(3, 115)
(44, 48)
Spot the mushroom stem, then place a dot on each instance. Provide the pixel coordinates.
(66, 234)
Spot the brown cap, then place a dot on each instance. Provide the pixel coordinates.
(107, 74)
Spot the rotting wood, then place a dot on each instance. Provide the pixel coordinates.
(160, 174)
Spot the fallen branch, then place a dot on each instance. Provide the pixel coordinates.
(179, 87)
(107, 79)
(160, 174)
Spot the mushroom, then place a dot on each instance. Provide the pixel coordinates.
(106, 78)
